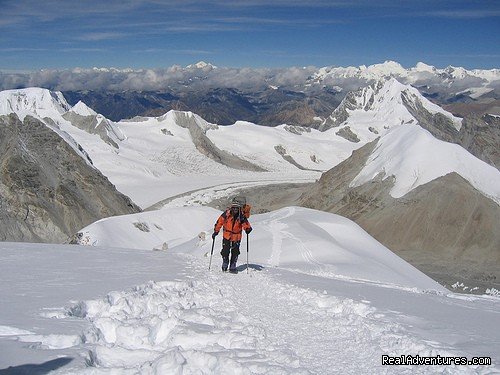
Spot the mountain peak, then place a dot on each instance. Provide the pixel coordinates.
(423, 67)
(382, 105)
(33, 101)
(201, 65)
(388, 66)
(82, 109)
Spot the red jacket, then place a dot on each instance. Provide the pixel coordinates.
(232, 225)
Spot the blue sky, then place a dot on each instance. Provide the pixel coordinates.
(252, 33)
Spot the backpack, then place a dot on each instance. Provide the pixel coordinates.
(242, 202)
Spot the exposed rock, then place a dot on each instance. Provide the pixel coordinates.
(95, 124)
(143, 227)
(282, 151)
(49, 191)
(348, 134)
(297, 129)
(479, 108)
(481, 137)
(439, 125)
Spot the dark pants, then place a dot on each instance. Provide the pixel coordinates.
(232, 247)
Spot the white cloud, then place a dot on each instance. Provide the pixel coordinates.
(95, 36)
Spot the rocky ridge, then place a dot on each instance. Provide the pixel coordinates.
(48, 190)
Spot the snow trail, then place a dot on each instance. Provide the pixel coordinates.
(218, 323)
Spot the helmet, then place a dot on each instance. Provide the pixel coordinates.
(238, 202)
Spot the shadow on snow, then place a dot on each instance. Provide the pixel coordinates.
(37, 369)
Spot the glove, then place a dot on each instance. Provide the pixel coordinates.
(214, 234)
(248, 230)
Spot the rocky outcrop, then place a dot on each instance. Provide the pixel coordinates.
(439, 125)
(288, 158)
(48, 191)
(348, 134)
(96, 124)
(480, 135)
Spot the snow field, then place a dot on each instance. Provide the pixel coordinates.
(313, 150)
(182, 327)
(219, 323)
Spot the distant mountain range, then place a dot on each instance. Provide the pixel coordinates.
(270, 97)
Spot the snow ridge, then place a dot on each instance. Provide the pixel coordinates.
(414, 157)
(82, 109)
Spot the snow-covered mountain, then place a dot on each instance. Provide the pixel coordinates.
(383, 105)
(151, 159)
(149, 154)
(85, 118)
(374, 109)
(415, 75)
(37, 102)
(223, 95)
(452, 78)
(412, 157)
(422, 198)
(201, 65)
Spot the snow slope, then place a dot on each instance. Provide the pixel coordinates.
(320, 297)
(414, 157)
(83, 110)
(310, 241)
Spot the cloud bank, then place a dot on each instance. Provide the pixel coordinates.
(155, 79)
(206, 76)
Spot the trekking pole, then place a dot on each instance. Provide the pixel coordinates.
(211, 253)
(247, 252)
